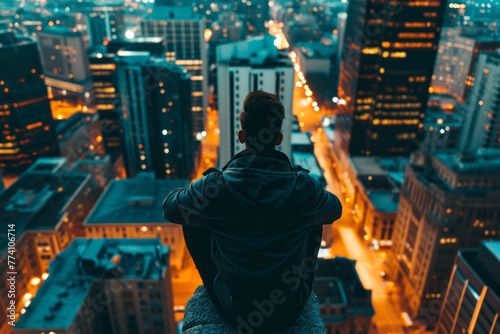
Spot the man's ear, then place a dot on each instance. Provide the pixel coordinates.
(241, 138)
(280, 139)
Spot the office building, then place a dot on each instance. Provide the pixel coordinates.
(372, 187)
(66, 66)
(385, 73)
(105, 22)
(184, 31)
(131, 208)
(245, 66)
(472, 303)
(156, 108)
(47, 205)
(345, 305)
(26, 120)
(256, 13)
(79, 135)
(449, 201)
(457, 55)
(482, 119)
(123, 286)
(106, 87)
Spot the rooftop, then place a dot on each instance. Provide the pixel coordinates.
(60, 31)
(136, 200)
(365, 165)
(482, 162)
(485, 262)
(73, 272)
(383, 201)
(37, 200)
(257, 52)
(337, 283)
(173, 13)
(316, 50)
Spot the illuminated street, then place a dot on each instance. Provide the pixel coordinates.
(346, 242)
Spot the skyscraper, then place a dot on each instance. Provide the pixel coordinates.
(66, 65)
(105, 21)
(457, 55)
(104, 286)
(387, 62)
(472, 303)
(26, 119)
(106, 87)
(482, 120)
(156, 106)
(186, 46)
(242, 67)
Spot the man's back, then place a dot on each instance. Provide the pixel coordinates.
(265, 219)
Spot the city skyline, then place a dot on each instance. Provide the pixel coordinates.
(107, 106)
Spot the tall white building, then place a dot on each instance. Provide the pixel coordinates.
(186, 46)
(482, 121)
(245, 66)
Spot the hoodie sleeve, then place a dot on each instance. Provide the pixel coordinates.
(327, 207)
(185, 205)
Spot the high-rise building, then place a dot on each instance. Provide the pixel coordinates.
(46, 206)
(458, 51)
(123, 286)
(482, 119)
(129, 209)
(345, 305)
(472, 303)
(245, 66)
(386, 68)
(256, 14)
(184, 31)
(66, 66)
(448, 201)
(79, 135)
(156, 106)
(106, 87)
(26, 120)
(105, 21)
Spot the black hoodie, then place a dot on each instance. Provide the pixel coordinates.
(260, 211)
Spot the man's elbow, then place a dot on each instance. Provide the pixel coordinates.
(169, 208)
(338, 209)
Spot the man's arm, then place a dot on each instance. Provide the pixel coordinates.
(185, 205)
(327, 207)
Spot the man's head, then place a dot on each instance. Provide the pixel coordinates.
(261, 121)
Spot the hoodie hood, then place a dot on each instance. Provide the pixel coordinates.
(261, 182)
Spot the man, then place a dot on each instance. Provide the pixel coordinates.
(254, 228)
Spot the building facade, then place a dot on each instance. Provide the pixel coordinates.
(472, 300)
(186, 46)
(28, 130)
(47, 206)
(457, 55)
(66, 66)
(482, 120)
(100, 286)
(382, 103)
(448, 201)
(156, 105)
(243, 67)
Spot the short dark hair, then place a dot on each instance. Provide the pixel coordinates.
(261, 119)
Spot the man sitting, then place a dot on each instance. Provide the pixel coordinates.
(254, 228)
